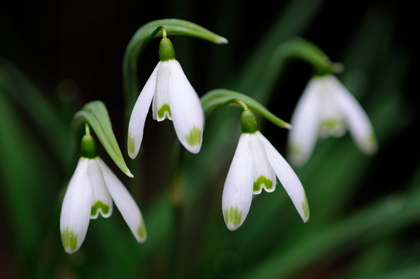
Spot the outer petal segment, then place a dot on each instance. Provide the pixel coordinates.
(305, 125)
(125, 203)
(238, 188)
(356, 118)
(187, 112)
(287, 177)
(75, 211)
(139, 114)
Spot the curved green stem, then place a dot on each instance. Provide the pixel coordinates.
(294, 48)
(222, 97)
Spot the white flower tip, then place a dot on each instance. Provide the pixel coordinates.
(263, 183)
(222, 40)
(70, 241)
(141, 233)
(100, 207)
(194, 140)
(131, 148)
(296, 155)
(304, 212)
(370, 145)
(129, 174)
(233, 218)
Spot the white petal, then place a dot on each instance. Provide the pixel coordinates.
(287, 177)
(125, 203)
(75, 211)
(264, 176)
(305, 125)
(187, 112)
(356, 118)
(237, 192)
(161, 103)
(330, 115)
(101, 201)
(138, 115)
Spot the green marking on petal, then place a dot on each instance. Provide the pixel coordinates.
(265, 182)
(330, 123)
(233, 216)
(373, 143)
(141, 231)
(305, 207)
(295, 150)
(99, 206)
(130, 144)
(194, 136)
(69, 239)
(165, 109)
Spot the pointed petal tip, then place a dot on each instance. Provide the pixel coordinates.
(222, 40)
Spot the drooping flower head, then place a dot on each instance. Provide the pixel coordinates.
(256, 165)
(173, 98)
(327, 108)
(89, 194)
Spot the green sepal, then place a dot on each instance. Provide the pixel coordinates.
(143, 36)
(96, 115)
(222, 97)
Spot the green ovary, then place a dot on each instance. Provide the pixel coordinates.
(194, 136)
(233, 216)
(69, 239)
(165, 109)
(265, 182)
(99, 206)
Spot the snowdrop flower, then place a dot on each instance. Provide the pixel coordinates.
(173, 98)
(90, 192)
(325, 109)
(254, 167)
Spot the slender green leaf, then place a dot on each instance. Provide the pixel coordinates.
(222, 97)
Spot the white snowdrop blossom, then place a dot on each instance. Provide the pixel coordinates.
(256, 165)
(90, 192)
(325, 109)
(173, 98)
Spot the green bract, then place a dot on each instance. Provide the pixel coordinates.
(96, 115)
